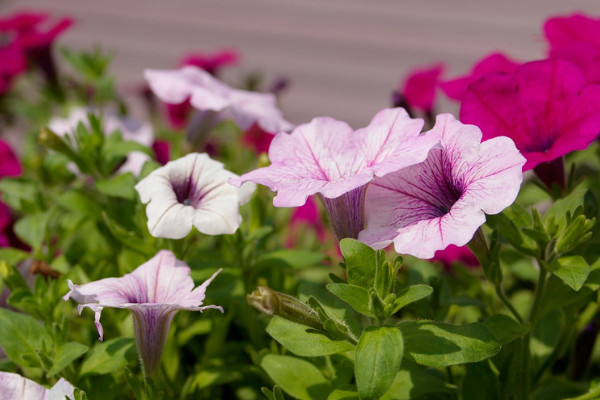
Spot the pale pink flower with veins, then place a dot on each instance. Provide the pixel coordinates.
(154, 292)
(443, 200)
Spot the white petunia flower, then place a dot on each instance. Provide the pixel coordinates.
(192, 190)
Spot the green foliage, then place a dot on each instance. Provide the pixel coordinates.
(297, 377)
(377, 360)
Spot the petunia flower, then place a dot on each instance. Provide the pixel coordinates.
(496, 62)
(206, 93)
(452, 254)
(31, 33)
(257, 139)
(327, 157)
(131, 130)
(192, 190)
(544, 106)
(443, 200)
(17, 387)
(418, 89)
(154, 292)
(576, 38)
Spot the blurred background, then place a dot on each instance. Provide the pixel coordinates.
(342, 58)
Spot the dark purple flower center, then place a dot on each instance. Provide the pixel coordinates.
(187, 192)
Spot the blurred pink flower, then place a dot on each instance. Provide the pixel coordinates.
(576, 38)
(419, 87)
(544, 106)
(495, 62)
(327, 157)
(206, 93)
(443, 200)
(17, 387)
(178, 114)
(12, 64)
(162, 151)
(154, 292)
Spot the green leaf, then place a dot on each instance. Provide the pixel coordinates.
(297, 259)
(557, 294)
(32, 228)
(573, 271)
(303, 340)
(21, 194)
(436, 344)
(355, 296)
(22, 338)
(410, 295)
(581, 196)
(12, 256)
(509, 223)
(108, 357)
(345, 393)
(377, 360)
(66, 355)
(479, 382)
(414, 381)
(297, 377)
(78, 201)
(361, 261)
(122, 185)
(506, 329)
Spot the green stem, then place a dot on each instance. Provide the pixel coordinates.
(508, 304)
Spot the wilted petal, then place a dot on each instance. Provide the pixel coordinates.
(441, 201)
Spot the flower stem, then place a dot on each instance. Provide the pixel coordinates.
(507, 303)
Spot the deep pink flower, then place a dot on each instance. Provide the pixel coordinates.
(25, 31)
(495, 62)
(419, 87)
(211, 62)
(9, 166)
(257, 138)
(443, 200)
(308, 216)
(453, 253)
(544, 106)
(576, 38)
(12, 64)
(327, 157)
(154, 292)
(162, 151)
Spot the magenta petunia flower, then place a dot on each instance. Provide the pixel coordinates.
(419, 87)
(192, 191)
(257, 139)
(327, 157)
(576, 38)
(443, 200)
(154, 292)
(544, 106)
(452, 254)
(17, 387)
(496, 62)
(206, 93)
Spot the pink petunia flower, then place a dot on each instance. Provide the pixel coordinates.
(192, 191)
(154, 292)
(443, 200)
(327, 157)
(17, 387)
(178, 114)
(576, 38)
(496, 62)
(419, 87)
(544, 106)
(206, 93)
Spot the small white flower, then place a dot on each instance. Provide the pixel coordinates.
(192, 190)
